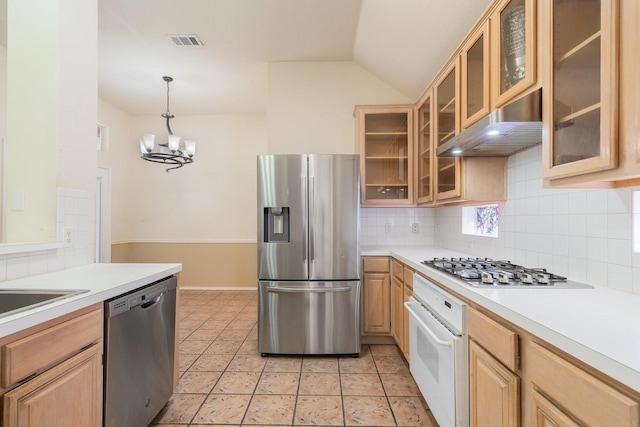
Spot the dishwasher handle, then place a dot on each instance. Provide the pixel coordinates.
(425, 327)
(151, 302)
(310, 290)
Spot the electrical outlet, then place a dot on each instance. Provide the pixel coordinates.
(415, 228)
(387, 228)
(68, 236)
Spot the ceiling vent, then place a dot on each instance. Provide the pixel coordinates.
(186, 40)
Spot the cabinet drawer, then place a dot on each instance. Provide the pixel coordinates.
(31, 354)
(408, 278)
(397, 269)
(582, 395)
(376, 264)
(498, 340)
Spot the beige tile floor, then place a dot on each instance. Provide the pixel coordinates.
(225, 381)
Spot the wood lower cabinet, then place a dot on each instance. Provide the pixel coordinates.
(68, 394)
(397, 299)
(401, 290)
(52, 373)
(565, 395)
(494, 386)
(517, 379)
(494, 391)
(376, 296)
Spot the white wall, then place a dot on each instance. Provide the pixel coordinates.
(211, 200)
(585, 235)
(74, 162)
(120, 158)
(310, 105)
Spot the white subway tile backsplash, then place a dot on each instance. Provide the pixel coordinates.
(619, 252)
(75, 208)
(577, 202)
(596, 249)
(578, 247)
(597, 225)
(577, 225)
(596, 201)
(582, 234)
(620, 277)
(619, 201)
(619, 226)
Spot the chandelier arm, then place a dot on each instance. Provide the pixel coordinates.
(169, 127)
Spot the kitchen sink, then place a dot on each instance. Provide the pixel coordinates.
(15, 300)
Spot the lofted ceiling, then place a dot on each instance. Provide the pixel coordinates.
(403, 42)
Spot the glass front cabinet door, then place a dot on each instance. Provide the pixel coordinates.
(385, 145)
(581, 107)
(513, 36)
(446, 126)
(474, 82)
(424, 154)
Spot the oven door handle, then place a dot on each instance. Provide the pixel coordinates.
(425, 327)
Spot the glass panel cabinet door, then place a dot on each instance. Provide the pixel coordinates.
(513, 49)
(447, 169)
(385, 153)
(423, 151)
(583, 102)
(474, 69)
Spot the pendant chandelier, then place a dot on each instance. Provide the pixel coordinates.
(173, 152)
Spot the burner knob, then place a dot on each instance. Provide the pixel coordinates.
(526, 278)
(504, 277)
(542, 278)
(486, 277)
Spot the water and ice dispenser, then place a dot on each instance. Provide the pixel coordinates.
(276, 225)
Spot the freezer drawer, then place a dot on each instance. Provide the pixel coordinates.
(309, 317)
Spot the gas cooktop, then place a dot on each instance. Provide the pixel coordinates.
(485, 272)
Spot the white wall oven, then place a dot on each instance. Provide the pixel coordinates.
(439, 351)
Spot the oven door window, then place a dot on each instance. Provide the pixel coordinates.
(433, 362)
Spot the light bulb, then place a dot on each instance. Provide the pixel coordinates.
(190, 147)
(149, 141)
(174, 143)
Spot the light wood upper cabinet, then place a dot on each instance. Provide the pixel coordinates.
(474, 73)
(385, 145)
(582, 103)
(513, 49)
(424, 153)
(446, 95)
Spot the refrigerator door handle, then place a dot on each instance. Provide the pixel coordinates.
(312, 222)
(310, 290)
(305, 222)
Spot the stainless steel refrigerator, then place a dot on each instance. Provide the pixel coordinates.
(308, 254)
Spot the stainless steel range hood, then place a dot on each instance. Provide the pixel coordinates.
(511, 128)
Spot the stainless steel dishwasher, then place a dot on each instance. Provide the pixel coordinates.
(139, 353)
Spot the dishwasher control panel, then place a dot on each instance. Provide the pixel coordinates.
(141, 296)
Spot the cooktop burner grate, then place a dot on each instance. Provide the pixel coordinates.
(486, 272)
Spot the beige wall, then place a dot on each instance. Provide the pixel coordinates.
(310, 105)
(205, 265)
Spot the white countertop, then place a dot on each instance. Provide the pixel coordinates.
(103, 281)
(600, 326)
